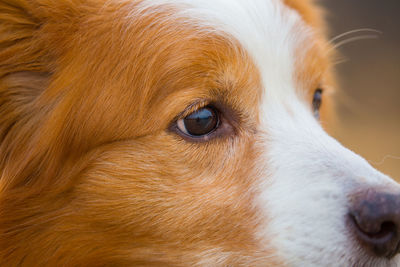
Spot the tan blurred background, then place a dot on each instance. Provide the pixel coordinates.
(368, 101)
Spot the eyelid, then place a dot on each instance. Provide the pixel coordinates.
(192, 108)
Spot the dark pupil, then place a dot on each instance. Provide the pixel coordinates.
(317, 100)
(201, 122)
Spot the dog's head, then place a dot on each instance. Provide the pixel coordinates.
(173, 132)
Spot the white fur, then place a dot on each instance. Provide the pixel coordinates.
(307, 175)
(310, 176)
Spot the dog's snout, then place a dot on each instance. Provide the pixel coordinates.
(375, 219)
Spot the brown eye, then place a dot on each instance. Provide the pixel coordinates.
(316, 102)
(199, 123)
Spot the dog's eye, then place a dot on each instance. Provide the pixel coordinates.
(199, 123)
(316, 102)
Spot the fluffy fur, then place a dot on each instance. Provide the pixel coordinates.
(93, 175)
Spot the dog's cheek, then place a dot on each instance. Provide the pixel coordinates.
(175, 200)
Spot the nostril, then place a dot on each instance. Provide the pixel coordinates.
(382, 231)
(384, 242)
(387, 229)
(375, 220)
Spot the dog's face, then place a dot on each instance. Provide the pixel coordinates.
(180, 133)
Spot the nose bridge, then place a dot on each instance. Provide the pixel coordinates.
(297, 136)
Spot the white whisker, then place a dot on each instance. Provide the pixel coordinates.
(340, 61)
(352, 39)
(354, 31)
(384, 159)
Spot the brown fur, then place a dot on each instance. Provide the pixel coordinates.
(90, 172)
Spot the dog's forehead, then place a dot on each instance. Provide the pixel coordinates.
(236, 53)
(273, 34)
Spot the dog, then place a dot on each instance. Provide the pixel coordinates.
(180, 133)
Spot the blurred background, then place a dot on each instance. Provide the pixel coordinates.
(368, 99)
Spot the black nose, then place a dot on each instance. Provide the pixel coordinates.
(375, 219)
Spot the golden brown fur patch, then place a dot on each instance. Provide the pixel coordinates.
(90, 173)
